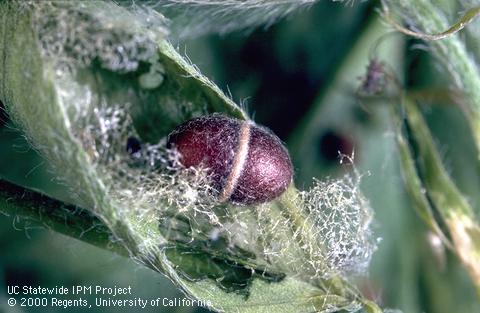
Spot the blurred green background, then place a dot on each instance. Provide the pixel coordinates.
(299, 78)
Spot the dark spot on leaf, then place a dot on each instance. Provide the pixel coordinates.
(133, 145)
(332, 144)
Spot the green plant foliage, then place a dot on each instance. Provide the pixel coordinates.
(451, 51)
(442, 196)
(90, 91)
(80, 79)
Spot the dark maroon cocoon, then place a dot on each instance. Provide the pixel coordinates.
(248, 163)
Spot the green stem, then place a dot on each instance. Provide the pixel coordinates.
(454, 210)
(300, 223)
(67, 219)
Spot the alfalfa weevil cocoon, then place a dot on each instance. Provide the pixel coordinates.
(247, 162)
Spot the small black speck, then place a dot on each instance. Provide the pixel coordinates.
(133, 145)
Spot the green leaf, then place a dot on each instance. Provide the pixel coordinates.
(428, 173)
(199, 17)
(80, 79)
(443, 191)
